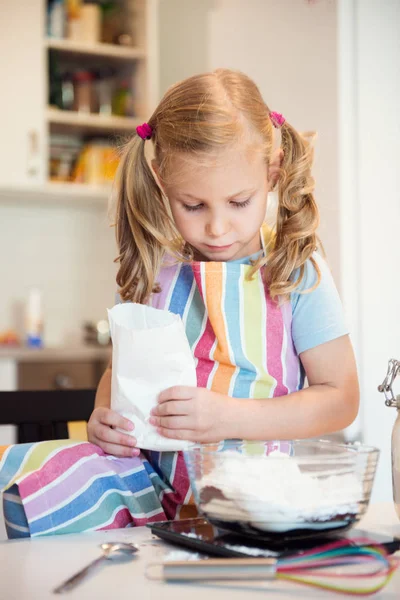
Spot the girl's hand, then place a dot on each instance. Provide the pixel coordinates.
(102, 433)
(191, 413)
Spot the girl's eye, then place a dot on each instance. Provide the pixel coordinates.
(192, 208)
(241, 204)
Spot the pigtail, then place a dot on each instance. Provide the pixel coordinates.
(297, 217)
(144, 228)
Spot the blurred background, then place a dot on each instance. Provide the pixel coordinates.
(77, 77)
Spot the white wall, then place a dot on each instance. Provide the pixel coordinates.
(289, 48)
(370, 205)
(66, 251)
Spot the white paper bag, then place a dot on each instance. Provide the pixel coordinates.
(150, 354)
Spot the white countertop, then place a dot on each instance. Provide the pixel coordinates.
(59, 353)
(30, 568)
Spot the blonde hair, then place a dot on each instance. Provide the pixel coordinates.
(200, 115)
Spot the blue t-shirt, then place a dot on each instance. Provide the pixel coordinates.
(318, 315)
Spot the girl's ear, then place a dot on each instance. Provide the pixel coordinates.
(274, 168)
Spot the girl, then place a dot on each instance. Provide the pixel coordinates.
(260, 309)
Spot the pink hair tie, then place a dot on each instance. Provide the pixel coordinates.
(277, 119)
(144, 131)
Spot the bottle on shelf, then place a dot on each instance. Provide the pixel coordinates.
(67, 91)
(97, 163)
(74, 22)
(105, 82)
(63, 155)
(56, 19)
(84, 21)
(114, 24)
(122, 104)
(84, 92)
(34, 319)
(91, 23)
(55, 81)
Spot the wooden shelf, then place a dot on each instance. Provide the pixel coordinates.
(63, 120)
(55, 193)
(112, 51)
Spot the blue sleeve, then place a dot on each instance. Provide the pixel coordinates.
(317, 316)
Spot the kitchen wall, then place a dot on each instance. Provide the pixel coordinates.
(66, 251)
(289, 47)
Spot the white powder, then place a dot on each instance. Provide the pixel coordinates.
(275, 495)
(180, 555)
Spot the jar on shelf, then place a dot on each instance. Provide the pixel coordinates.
(84, 21)
(105, 81)
(393, 401)
(84, 92)
(55, 81)
(122, 104)
(63, 154)
(97, 163)
(90, 23)
(67, 91)
(56, 19)
(112, 20)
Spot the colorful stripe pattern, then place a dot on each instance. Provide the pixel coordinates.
(242, 344)
(240, 338)
(65, 486)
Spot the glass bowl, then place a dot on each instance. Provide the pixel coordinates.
(279, 488)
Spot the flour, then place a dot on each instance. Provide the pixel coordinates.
(250, 551)
(274, 494)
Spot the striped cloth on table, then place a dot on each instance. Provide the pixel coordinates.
(64, 486)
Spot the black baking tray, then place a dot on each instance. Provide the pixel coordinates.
(205, 537)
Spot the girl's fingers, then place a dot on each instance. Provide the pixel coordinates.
(106, 434)
(110, 417)
(173, 407)
(117, 450)
(173, 422)
(178, 392)
(182, 434)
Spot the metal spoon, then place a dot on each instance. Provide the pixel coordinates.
(110, 550)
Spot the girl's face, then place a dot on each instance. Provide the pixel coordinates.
(219, 206)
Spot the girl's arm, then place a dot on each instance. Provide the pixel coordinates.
(329, 404)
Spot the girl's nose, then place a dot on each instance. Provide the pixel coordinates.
(217, 226)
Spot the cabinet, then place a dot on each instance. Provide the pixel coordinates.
(27, 121)
(60, 375)
(49, 369)
(23, 92)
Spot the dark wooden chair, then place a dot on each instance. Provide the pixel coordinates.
(44, 415)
